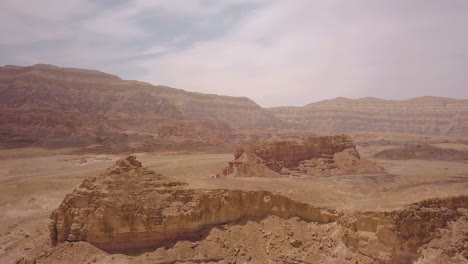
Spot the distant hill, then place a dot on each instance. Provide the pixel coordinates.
(47, 102)
(422, 115)
(45, 105)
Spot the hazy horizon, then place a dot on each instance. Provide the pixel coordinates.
(274, 52)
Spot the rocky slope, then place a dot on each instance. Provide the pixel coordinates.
(130, 208)
(423, 115)
(316, 156)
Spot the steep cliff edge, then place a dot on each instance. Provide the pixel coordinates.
(423, 115)
(316, 156)
(131, 207)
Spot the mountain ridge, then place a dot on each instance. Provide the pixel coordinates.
(43, 101)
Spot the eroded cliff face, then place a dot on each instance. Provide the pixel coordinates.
(423, 115)
(317, 156)
(130, 207)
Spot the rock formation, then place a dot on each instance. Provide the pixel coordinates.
(318, 156)
(398, 236)
(131, 207)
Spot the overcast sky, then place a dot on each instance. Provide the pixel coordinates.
(275, 52)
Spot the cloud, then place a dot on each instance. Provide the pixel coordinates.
(276, 52)
(23, 21)
(295, 53)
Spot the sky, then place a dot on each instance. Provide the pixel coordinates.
(274, 52)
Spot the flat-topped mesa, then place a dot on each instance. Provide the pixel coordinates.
(325, 155)
(132, 207)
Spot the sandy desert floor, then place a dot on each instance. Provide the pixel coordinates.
(33, 182)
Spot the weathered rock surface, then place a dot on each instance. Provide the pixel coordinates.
(398, 236)
(131, 207)
(318, 156)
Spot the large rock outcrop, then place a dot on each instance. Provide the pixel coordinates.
(317, 156)
(399, 236)
(131, 207)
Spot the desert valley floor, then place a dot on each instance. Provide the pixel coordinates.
(34, 181)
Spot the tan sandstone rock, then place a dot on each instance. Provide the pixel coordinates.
(131, 207)
(317, 156)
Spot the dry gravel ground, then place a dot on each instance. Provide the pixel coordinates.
(34, 182)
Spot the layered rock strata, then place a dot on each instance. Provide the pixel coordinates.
(317, 156)
(422, 115)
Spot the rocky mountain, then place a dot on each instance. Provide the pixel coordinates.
(423, 115)
(45, 101)
(49, 106)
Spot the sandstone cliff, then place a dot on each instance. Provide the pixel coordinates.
(424, 115)
(131, 208)
(317, 156)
